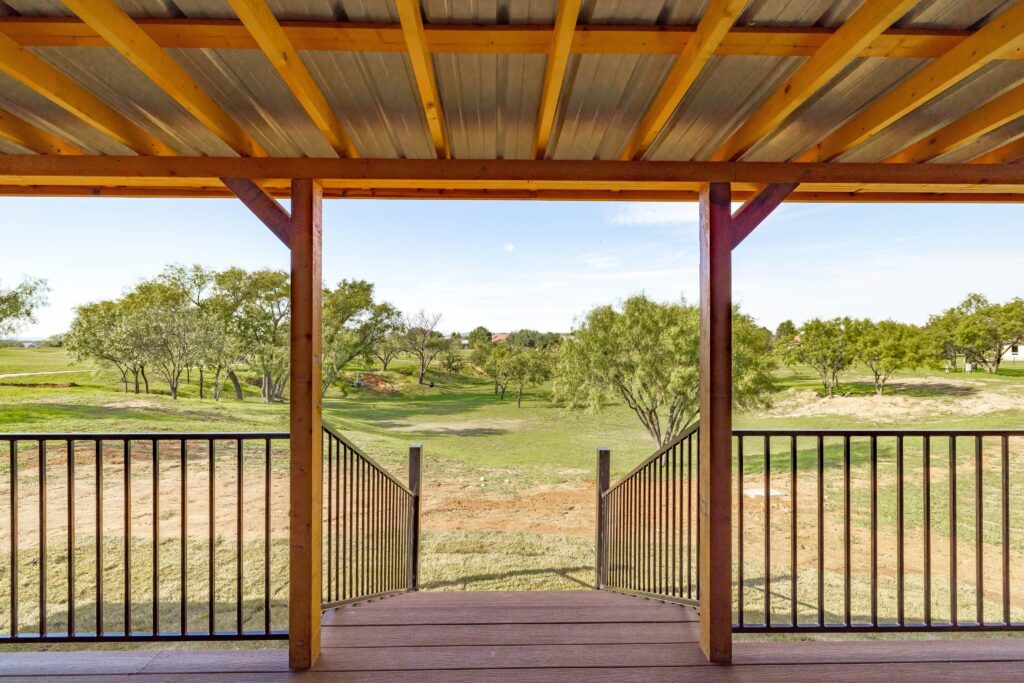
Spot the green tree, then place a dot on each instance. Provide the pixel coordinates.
(479, 337)
(353, 323)
(19, 304)
(979, 330)
(262, 324)
(389, 347)
(104, 332)
(888, 346)
(646, 356)
(497, 366)
(527, 367)
(826, 345)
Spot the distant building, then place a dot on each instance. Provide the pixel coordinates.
(1013, 352)
(29, 345)
(499, 337)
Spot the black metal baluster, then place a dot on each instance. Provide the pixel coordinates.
(184, 537)
(689, 517)
(874, 530)
(337, 517)
(239, 539)
(900, 580)
(847, 618)
(127, 538)
(979, 533)
(15, 559)
(266, 535)
(156, 536)
(792, 530)
(675, 522)
(740, 582)
(99, 537)
(926, 495)
(212, 541)
(42, 538)
(1005, 443)
(821, 529)
(330, 518)
(954, 616)
(767, 532)
(71, 536)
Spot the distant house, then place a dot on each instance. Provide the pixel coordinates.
(29, 345)
(1013, 352)
(464, 341)
(499, 337)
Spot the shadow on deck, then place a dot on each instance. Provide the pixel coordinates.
(533, 636)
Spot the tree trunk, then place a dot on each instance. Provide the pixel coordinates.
(201, 382)
(502, 393)
(236, 384)
(385, 362)
(519, 399)
(188, 375)
(135, 373)
(145, 379)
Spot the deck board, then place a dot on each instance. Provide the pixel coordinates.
(533, 637)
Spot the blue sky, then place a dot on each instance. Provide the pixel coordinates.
(509, 265)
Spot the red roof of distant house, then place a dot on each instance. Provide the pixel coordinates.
(499, 337)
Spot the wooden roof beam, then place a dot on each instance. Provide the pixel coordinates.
(841, 48)
(554, 73)
(1009, 153)
(135, 45)
(53, 84)
(411, 17)
(510, 174)
(714, 25)
(965, 130)
(776, 41)
(1000, 36)
(758, 207)
(271, 38)
(33, 137)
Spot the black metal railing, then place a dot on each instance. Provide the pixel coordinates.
(648, 531)
(143, 537)
(371, 525)
(836, 530)
(878, 530)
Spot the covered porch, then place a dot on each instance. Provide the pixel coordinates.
(719, 102)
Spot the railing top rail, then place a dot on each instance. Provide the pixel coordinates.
(370, 461)
(141, 436)
(878, 432)
(686, 433)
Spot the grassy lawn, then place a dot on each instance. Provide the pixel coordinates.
(508, 492)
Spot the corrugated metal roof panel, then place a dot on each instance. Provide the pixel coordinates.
(952, 14)
(986, 143)
(112, 78)
(728, 90)
(490, 103)
(8, 147)
(489, 11)
(959, 100)
(245, 84)
(603, 98)
(34, 108)
(375, 96)
(861, 83)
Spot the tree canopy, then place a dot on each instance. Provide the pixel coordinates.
(646, 354)
(19, 304)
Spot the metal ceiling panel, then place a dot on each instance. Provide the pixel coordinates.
(489, 11)
(490, 103)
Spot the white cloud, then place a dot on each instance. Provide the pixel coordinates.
(601, 261)
(509, 247)
(655, 213)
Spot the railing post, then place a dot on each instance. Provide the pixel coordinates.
(415, 462)
(601, 532)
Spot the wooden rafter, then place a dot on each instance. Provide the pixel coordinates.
(554, 73)
(965, 130)
(1009, 153)
(1003, 34)
(51, 83)
(410, 15)
(842, 47)
(511, 174)
(773, 41)
(714, 25)
(271, 38)
(33, 137)
(125, 36)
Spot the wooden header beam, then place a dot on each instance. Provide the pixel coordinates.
(511, 174)
(476, 39)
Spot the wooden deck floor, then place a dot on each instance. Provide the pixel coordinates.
(553, 636)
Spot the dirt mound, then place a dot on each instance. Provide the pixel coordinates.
(377, 383)
(40, 385)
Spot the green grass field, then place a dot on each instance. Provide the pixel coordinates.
(508, 491)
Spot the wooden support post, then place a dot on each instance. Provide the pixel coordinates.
(306, 427)
(415, 469)
(715, 504)
(604, 457)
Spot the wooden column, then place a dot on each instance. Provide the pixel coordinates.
(604, 458)
(715, 504)
(415, 482)
(306, 500)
